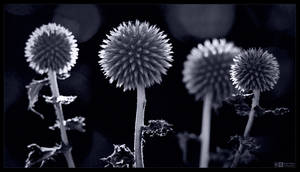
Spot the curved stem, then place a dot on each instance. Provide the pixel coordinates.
(255, 102)
(60, 117)
(205, 131)
(139, 122)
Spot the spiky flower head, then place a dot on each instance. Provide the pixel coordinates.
(51, 47)
(207, 70)
(254, 69)
(135, 53)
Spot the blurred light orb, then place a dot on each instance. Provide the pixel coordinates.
(83, 20)
(12, 89)
(200, 20)
(70, 24)
(282, 17)
(287, 71)
(22, 9)
(80, 84)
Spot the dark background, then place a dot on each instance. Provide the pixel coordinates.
(110, 112)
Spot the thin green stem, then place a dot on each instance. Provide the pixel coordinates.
(205, 131)
(60, 117)
(139, 122)
(255, 102)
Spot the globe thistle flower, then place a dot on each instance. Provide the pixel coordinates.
(135, 53)
(51, 47)
(254, 69)
(206, 75)
(207, 70)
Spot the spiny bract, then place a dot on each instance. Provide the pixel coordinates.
(254, 69)
(51, 47)
(207, 70)
(135, 54)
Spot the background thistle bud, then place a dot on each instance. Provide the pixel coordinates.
(254, 70)
(135, 54)
(207, 70)
(51, 47)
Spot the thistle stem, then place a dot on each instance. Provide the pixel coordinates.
(255, 102)
(205, 131)
(139, 122)
(60, 117)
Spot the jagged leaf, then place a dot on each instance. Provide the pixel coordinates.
(259, 111)
(60, 99)
(186, 136)
(76, 123)
(122, 157)
(39, 155)
(63, 76)
(246, 157)
(157, 128)
(250, 144)
(250, 147)
(239, 101)
(33, 90)
(238, 97)
(223, 156)
(247, 142)
(235, 138)
(183, 139)
(242, 109)
(279, 111)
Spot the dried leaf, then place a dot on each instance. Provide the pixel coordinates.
(250, 147)
(157, 128)
(246, 157)
(186, 136)
(259, 111)
(250, 144)
(60, 99)
(39, 155)
(183, 139)
(238, 97)
(242, 109)
(235, 138)
(63, 76)
(278, 111)
(33, 90)
(122, 157)
(223, 156)
(239, 101)
(76, 123)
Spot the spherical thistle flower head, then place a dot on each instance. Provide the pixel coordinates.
(135, 53)
(51, 47)
(254, 69)
(207, 70)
